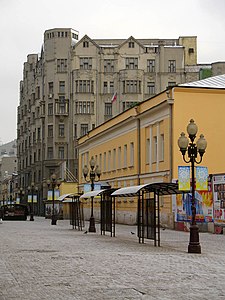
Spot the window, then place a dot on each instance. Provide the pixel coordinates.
(105, 87)
(151, 65)
(104, 162)
(84, 107)
(62, 87)
(108, 65)
(131, 44)
(151, 88)
(154, 149)
(75, 131)
(161, 149)
(131, 154)
(37, 92)
(85, 63)
(61, 65)
(125, 156)
(114, 159)
(50, 87)
(74, 36)
(83, 129)
(61, 152)
(147, 151)
(171, 83)
(62, 105)
(50, 152)
(50, 109)
(50, 131)
(108, 109)
(85, 44)
(119, 157)
(111, 87)
(61, 130)
(191, 50)
(172, 66)
(39, 133)
(109, 161)
(84, 86)
(131, 86)
(129, 104)
(131, 63)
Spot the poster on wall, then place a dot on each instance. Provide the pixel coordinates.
(58, 210)
(203, 204)
(218, 182)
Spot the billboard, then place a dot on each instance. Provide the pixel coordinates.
(218, 185)
(203, 204)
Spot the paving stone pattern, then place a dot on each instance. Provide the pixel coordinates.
(42, 261)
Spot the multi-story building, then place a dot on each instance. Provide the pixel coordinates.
(74, 86)
(8, 169)
(140, 145)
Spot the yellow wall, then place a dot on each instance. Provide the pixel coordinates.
(206, 107)
(68, 187)
(150, 116)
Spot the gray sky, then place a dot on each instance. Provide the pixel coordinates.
(23, 22)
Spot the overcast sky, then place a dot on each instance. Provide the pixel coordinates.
(23, 22)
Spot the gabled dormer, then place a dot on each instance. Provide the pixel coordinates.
(130, 43)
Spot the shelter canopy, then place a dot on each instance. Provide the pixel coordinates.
(92, 194)
(161, 188)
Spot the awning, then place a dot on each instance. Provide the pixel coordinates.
(71, 198)
(161, 188)
(129, 190)
(92, 194)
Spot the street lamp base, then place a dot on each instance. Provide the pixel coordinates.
(31, 218)
(194, 245)
(54, 221)
(92, 225)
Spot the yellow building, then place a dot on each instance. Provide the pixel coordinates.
(140, 145)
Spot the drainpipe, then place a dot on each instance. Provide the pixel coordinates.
(170, 101)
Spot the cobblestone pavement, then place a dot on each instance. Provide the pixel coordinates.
(41, 261)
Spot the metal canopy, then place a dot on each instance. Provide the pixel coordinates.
(161, 188)
(128, 191)
(92, 194)
(70, 198)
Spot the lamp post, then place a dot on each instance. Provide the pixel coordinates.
(31, 189)
(53, 183)
(94, 172)
(193, 150)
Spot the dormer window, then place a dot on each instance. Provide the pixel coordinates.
(131, 44)
(85, 44)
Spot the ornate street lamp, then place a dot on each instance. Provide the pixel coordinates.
(193, 150)
(94, 172)
(31, 189)
(53, 183)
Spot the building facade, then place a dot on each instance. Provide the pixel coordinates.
(75, 85)
(139, 146)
